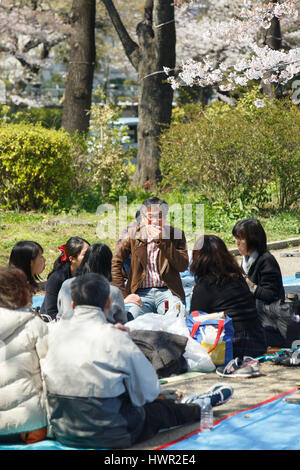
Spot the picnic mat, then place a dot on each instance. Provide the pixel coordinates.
(188, 282)
(42, 445)
(270, 425)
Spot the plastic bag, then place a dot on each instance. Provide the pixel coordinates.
(148, 321)
(174, 321)
(197, 359)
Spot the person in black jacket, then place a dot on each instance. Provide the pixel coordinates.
(263, 274)
(221, 287)
(261, 270)
(64, 268)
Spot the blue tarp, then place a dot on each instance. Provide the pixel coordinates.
(43, 445)
(291, 281)
(270, 426)
(273, 425)
(188, 282)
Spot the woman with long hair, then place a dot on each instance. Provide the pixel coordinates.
(221, 287)
(97, 259)
(28, 256)
(64, 267)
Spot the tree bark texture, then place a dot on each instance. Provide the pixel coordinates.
(154, 50)
(274, 41)
(80, 73)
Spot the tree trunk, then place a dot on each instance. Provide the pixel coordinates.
(80, 72)
(274, 41)
(155, 49)
(157, 45)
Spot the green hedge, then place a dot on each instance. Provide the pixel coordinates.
(35, 166)
(48, 117)
(230, 153)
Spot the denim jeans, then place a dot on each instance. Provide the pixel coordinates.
(153, 299)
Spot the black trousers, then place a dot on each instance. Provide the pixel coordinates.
(162, 414)
(11, 439)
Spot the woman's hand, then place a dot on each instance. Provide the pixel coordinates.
(250, 283)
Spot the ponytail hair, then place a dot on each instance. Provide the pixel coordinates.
(72, 248)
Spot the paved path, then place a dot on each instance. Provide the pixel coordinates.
(288, 265)
(247, 392)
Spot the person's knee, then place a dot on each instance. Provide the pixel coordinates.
(135, 311)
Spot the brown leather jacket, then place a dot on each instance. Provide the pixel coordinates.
(173, 258)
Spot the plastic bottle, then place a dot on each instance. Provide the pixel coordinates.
(207, 416)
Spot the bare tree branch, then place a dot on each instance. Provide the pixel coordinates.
(148, 12)
(131, 47)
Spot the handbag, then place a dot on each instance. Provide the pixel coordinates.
(281, 316)
(214, 332)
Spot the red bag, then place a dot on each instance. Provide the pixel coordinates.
(34, 436)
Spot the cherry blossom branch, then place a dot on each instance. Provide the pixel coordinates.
(229, 48)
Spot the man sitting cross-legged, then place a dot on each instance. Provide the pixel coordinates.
(158, 254)
(102, 391)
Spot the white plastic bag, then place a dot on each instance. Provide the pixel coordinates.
(148, 321)
(209, 334)
(174, 322)
(197, 358)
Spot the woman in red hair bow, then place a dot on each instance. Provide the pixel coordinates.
(64, 267)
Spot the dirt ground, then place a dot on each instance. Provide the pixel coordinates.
(274, 380)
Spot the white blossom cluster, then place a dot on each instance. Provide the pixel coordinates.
(40, 26)
(225, 43)
(26, 38)
(262, 15)
(36, 102)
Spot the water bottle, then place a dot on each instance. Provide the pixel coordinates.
(207, 416)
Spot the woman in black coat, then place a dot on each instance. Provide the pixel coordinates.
(261, 270)
(263, 274)
(64, 268)
(220, 287)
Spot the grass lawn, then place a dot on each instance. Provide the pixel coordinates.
(53, 230)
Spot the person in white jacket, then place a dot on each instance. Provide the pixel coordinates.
(102, 391)
(23, 344)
